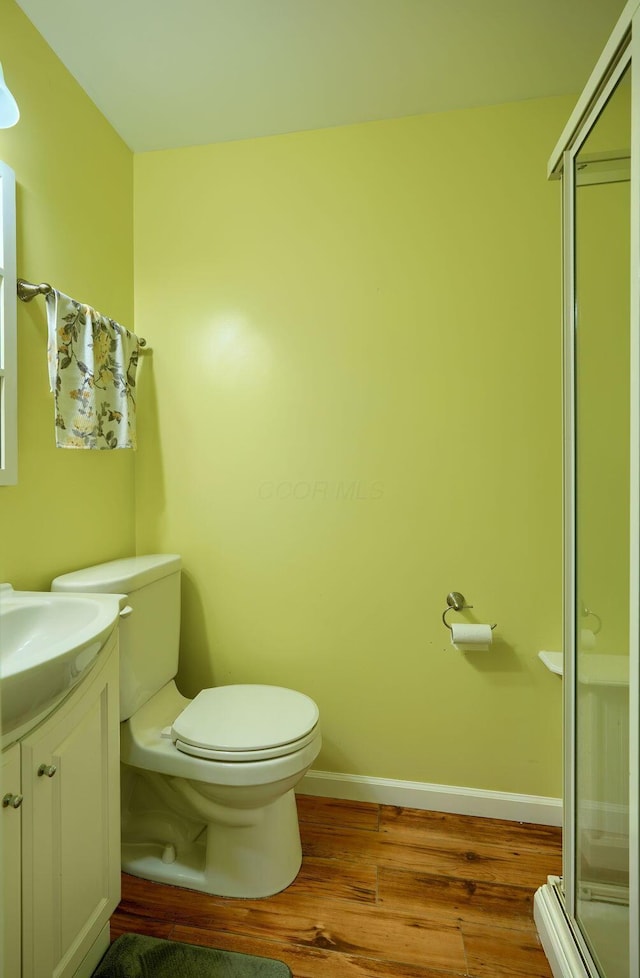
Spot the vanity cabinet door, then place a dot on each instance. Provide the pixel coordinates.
(10, 869)
(71, 826)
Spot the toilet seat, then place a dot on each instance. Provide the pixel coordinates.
(245, 723)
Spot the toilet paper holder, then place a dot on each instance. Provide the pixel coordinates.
(456, 602)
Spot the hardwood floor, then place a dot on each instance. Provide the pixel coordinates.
(382, 892)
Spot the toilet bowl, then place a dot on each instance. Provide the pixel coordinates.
(207, 784)
(229, 822)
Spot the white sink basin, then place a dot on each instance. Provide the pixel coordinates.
(48, 641)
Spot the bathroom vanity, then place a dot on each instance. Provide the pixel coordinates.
(61, 830)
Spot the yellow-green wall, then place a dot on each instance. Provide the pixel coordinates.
(353, 407)
(74, 228)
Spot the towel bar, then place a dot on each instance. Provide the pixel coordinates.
(28, 291)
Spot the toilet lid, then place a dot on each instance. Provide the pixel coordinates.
(243, 719)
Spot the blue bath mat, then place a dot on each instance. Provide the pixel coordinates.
(139, 956)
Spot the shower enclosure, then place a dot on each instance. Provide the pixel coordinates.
(588, 919)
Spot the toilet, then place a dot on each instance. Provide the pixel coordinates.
(207, 784)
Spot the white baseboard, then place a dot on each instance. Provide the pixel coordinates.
(434, 797)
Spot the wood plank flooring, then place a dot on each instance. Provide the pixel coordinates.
(382, 892)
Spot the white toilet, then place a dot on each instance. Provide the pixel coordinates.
(207, 784)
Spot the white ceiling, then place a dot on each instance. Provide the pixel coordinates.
(170, 73)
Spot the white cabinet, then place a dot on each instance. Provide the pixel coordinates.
(11, 849)
(71, 828)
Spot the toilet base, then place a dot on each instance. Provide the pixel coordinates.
(257, 858)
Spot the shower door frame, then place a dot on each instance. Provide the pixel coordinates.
(555, 904)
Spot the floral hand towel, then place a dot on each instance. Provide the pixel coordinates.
(92, 372)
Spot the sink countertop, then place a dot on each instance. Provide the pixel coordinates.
(48, 643)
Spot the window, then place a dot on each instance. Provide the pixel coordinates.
(8, 367)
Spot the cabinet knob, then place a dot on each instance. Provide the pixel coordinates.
(12, 801)
(47, 769)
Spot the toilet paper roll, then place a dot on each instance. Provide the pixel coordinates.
(471, 638)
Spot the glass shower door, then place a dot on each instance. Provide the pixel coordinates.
(600, 879)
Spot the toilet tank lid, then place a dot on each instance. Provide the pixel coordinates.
(119, 576)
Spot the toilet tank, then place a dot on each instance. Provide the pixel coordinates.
(150, 634)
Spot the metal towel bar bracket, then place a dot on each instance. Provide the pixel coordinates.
(28, 291)
(456, 602)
